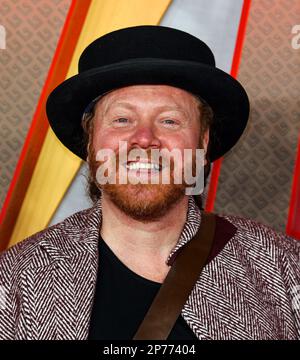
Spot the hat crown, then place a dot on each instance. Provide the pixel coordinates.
(146, 41)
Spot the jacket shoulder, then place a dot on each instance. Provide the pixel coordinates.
(72, 226)
(255, 234)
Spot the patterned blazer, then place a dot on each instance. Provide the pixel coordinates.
(249, 289)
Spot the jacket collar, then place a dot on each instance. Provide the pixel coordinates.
(190, 228)
(83, 230)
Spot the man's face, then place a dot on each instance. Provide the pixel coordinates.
(146, 117)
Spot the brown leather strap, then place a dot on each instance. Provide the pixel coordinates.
(175, 290)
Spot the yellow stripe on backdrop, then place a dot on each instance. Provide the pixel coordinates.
(56, 166)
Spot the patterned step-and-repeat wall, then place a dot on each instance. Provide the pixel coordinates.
(32, 30)
(255, 180)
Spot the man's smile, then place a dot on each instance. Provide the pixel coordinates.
(143, 166)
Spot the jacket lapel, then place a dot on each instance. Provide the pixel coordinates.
(62, 286)
(76, 280)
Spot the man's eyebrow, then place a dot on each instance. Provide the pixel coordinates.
(119, 104)
(132, 107)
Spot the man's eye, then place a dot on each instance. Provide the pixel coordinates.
(121, 121)
(169, 122)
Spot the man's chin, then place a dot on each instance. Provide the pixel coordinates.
(144, 202)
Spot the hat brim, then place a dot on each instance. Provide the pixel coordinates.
(225, 95)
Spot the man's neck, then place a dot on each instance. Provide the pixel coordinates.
(137, 242)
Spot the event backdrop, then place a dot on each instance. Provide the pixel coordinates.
(32, 32)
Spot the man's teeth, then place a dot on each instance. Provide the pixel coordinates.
(139, 165)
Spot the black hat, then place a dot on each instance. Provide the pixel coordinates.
(149, 55)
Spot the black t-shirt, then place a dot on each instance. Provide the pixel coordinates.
(122, 299)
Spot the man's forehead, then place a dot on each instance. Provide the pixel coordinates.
(163, 96)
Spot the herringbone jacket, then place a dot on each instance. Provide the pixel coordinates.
(249, 289)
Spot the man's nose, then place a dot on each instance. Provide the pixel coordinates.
(144, 137)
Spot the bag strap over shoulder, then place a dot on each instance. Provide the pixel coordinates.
(175, 290)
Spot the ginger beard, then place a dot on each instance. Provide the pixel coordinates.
(142, 202)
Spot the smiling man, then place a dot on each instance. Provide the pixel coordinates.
(95, 275)
(147, 117)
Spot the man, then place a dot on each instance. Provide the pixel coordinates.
(95, 274)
